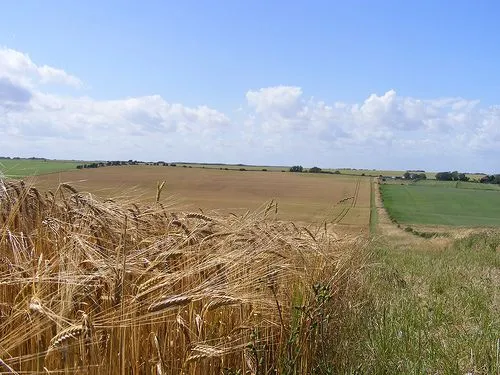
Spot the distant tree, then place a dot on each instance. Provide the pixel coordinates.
(485, 180)
(491, 179)
(454, 175)
(463, 177)
(444, 176)
(408, 175)
(315, 170)
(297, 168)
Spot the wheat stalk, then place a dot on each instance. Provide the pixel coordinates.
(169, 302)
(196, 215)
(67, 334)
(7, 368)
(71, 333)
(159, 189)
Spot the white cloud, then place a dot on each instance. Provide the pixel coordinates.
(383, 127)
(20, 68)
(83, 117)
(281, 99)
(278, 125)
(52, 75)
(27, 111)
(386, 117)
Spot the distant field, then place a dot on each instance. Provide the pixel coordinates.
(25, 167)
(301, 196)
(442, 205)
(369, 172)
(447, 184)
(236, 167)
(458, 185)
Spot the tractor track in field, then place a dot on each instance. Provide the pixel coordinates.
(353, 199)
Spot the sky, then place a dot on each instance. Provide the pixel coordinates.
(363, 84)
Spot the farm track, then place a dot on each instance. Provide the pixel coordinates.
(353, 199)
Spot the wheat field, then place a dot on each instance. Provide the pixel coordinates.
(302, 197)
(94, 286)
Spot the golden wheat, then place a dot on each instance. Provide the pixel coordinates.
(90, 282)
(170, 302)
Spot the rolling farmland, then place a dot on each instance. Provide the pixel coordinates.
(171, 286)
(302, 197)
(173, 289)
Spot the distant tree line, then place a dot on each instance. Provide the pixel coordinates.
(297, 168)
(490, 179)
(451, 176)
(319, 170)
(19, 158)
(300, 169)
(115, 163)
(90, 165)
(415, 175)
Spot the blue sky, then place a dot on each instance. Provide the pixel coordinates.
(393, 84)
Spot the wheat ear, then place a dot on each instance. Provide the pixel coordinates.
(169, 302)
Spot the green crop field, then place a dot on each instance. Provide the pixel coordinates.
(446, 184)
(442, 205)
(18, 168)
(458, 185)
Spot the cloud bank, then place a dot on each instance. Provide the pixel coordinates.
(276, 125)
